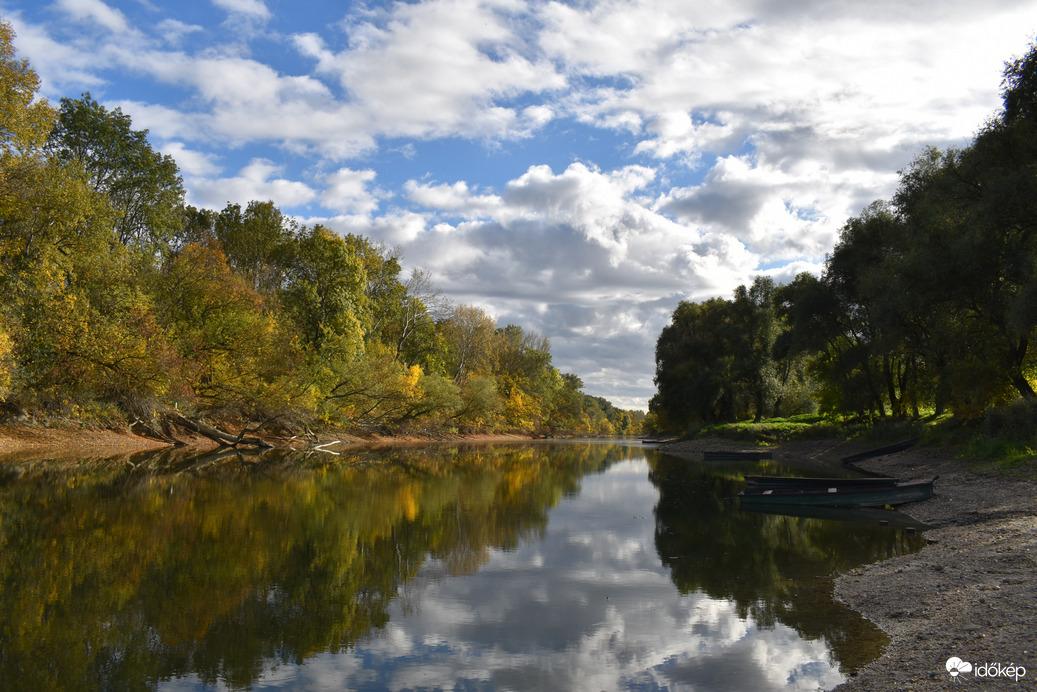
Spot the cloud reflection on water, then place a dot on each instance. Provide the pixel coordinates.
(588, 607)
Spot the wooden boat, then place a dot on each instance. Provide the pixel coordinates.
(791, 482)
(898, 493)
(880, 451)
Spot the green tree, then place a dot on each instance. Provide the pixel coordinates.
(972, 266)
(871, 353)
(694, 366)
(385, 295)
(325, 291)
(754, 365)
(525, 376)
(715, 361)
(142, 185)
(523, 355)
(411, 326)
(468, 335)
(1019, 90)
(480, 405)
(29, 182)
(255, 242)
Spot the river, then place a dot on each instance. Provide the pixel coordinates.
(548, 566)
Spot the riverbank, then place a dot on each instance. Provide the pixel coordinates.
(968, 594)
(32, 441)
(28, 442)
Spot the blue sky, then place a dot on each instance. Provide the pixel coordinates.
(577, 167)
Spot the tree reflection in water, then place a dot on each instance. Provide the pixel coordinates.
(776, 569)
(121, 574)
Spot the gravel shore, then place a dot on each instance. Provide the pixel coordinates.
(971, 593)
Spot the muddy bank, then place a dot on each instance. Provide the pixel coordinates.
(32, 441)
(971, 593)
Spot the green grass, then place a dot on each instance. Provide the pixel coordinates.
(771, 431)
(1000, 456)
(1004, 442)
(815, 426)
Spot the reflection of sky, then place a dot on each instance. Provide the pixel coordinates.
(589, 607)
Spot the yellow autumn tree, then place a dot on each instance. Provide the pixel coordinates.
(24, 121)
(78, 326)
(230, 352)
(6, 362)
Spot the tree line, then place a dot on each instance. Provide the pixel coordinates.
(926, 305)
(120, 299)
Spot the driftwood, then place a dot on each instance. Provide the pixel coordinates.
(225, 439)
(157, 434)
(321, 448)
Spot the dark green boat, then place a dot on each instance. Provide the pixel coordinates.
(798, 483)
(835, 495)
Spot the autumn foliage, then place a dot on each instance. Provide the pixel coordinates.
(120, 299)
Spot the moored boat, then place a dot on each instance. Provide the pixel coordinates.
(792, 482)
(898, 493)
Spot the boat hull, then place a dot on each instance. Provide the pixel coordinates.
(794, 483)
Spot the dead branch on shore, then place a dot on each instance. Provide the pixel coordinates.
(322, 447)
(225, 439)
(152, 431)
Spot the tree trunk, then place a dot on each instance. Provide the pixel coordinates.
(1023, 386)
(1019, 380)
(224, 439)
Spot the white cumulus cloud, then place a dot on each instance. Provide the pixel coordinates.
(257, 181)
(96, 11)
(254, 8)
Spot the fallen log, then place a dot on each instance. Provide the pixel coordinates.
(155, 433)
(225, 439)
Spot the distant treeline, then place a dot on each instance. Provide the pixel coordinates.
(117, 299)
(926, 305)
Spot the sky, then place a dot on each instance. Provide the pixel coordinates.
(575, 167)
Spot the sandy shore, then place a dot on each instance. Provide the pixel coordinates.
(971, 593)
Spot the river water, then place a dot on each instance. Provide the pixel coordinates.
(569, 566)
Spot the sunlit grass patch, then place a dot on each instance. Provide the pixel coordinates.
(1000, 455)
(807, 426)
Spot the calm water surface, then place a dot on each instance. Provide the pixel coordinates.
(577, 566)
